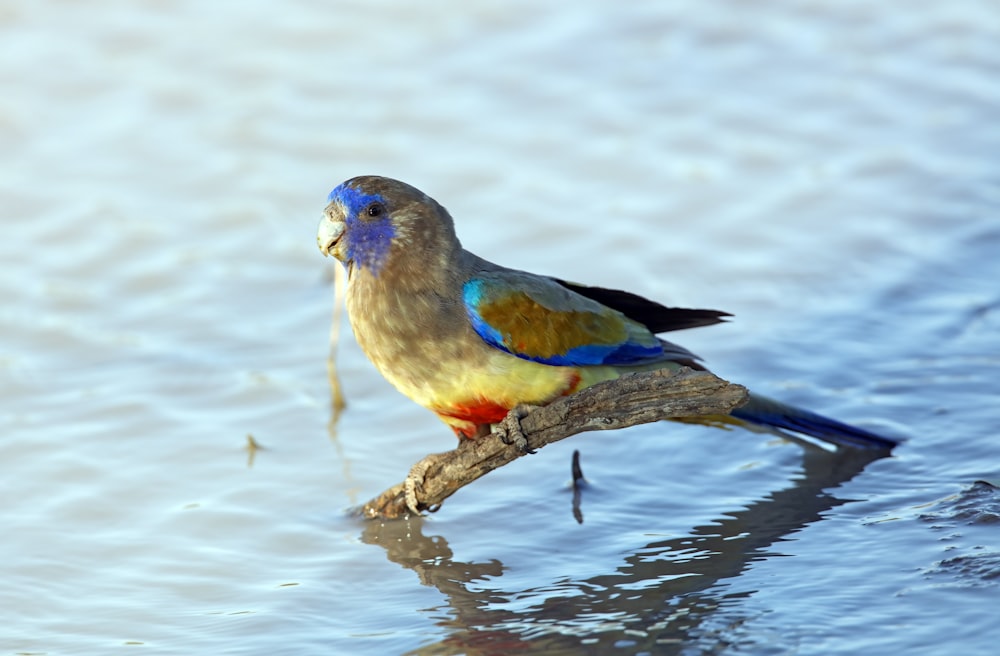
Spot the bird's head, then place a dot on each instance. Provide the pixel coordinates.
(371, 222)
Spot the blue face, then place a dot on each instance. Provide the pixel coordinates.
(369, 230)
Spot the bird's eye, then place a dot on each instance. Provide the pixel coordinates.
(375, 209)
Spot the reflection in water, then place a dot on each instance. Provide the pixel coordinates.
(664, 596)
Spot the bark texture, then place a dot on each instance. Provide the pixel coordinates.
(632, 399)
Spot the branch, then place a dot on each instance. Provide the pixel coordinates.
(632, 399)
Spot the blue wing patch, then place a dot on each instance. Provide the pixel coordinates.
(536, 319)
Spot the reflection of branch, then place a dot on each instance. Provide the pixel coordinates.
(664, 596)
(632, 399)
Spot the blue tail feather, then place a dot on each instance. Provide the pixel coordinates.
(767, 412)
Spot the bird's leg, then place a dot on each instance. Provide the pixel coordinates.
(509, 429)
(415, 478)
(482, 430)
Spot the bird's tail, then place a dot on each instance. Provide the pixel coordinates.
(763, 411)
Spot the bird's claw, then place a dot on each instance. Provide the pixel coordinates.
(414, 483)
(509, 428)
(414, 479)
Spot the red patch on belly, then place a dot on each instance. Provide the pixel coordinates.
(482, 412)
(574, 381)
(475, 412)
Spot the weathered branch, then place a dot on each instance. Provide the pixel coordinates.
(632, 399)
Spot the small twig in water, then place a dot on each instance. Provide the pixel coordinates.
(578, 482)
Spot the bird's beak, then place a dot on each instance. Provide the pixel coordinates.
(331, 229)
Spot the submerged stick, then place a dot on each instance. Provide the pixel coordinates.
(632, 399)
(339, 294)
(578, 483)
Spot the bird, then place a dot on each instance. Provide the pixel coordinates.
(472, 341)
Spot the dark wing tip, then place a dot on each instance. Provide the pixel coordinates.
(658, 318)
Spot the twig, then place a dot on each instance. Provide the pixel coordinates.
(632, 399)
(339, 294)
(578, 482)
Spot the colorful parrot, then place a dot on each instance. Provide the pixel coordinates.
(470, 340)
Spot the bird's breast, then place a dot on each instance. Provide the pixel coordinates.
(425, 346)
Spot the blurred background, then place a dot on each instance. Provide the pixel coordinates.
(825, 171)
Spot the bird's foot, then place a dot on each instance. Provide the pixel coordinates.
(415, 481)
(509, 429)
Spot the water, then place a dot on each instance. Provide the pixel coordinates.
(825, 171)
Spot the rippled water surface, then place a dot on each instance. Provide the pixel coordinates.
(826, 171)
